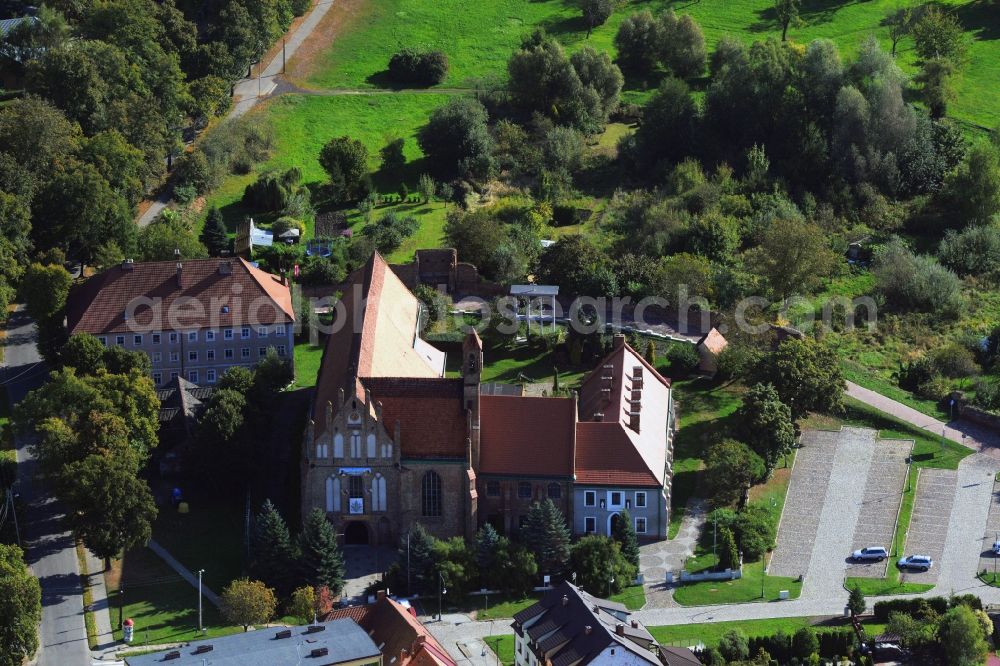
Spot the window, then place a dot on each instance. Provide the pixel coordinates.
(261, 351)
(227, 334)
(120, 340)
(355, 444)
(640, 525)
(157, 378)
(192, 355)
(210, 354)
(378, 493)
(157, 357)
(356, 487)
(156, 338)
(173, 338)
(173, 376)
(245, 352)
(322, 450)
(431, 494)
(245, 333)
(192, 336)
(615, 498)
(332, 494)
(262, 332)
(210, 336)
(554, 491)
(137, 340)
(590, 525)
(279, 329)
(524, 489)
(640, 500)
(229, 354)
(281, 350)
(103, 340)
(193, 376)
(175, 357)
(493, 489)
(589, 498)
(210, 376)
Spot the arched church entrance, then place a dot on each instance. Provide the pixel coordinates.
(356, 534)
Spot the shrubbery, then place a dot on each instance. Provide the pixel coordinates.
(424, 68)
(915, 282)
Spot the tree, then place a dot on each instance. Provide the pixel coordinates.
(755, 531)
(637, 42)
(793, 256)
(599, 565)
(247, 602)
(856, 601)
(547, 536)
(805, 374)
(804, 643)
(938, 34)
(624, 534)
(456, 139)
(907, 281)
(729, 557)
(766, 424)
(596, 12)
(973, 190)
(302, 604)
(734, 646)
(416, 560)
(345, 161)
(168, 233)
(272, 553)
(899, 21)
(487, 547)
(787, 12)
(669, 121)
(111, 509)
(730, 469)
(961, 637)
(320, 560)
(681, 45)
(935, 79)
(223, 418)
(214, 236)
(45, 290)
(422, 68)
(120, 163)
(516, 572)
(393, 157)
(427, 187)
(20, 608)
(83, 352)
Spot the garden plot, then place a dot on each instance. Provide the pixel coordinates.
(880, 504)
(929, 521)
(804, 503)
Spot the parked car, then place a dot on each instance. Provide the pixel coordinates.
(916, 562)
(996, 547)
(870, 554)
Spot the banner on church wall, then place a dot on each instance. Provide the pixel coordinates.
(356, 505)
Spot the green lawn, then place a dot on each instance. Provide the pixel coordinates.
(634, 597)
(503, 647)
(307, 359)
(710, 633)
(745, 589)
(163, 606)
(502, 608)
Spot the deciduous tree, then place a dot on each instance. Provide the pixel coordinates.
(787, 12)
(247, 602)
(599, 565)
(596, 12)
(20, 608)
(456, 139)
(731, 467)
(766, 424)
(624, 534)
(345, 161)
(805, 374)
(938, 34)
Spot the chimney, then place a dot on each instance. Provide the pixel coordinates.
(620, 629)
(635, 624)
(128, 264)
(565, 600)
(319, 652)
(202, 649)
(176, 654)
(598, 416)
(587, 629)
(180, 275)
(618, 341)
(380, 595)
(633, 419)
(284, 633)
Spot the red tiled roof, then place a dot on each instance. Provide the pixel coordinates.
(526, 435)
(432, 420)
(254, 297)
(394, 629)
(606, 456)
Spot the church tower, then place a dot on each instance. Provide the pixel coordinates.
(472, 370)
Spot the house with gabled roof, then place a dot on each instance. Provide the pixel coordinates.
(195, 318)
(392, 440)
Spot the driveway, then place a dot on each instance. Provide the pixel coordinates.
(50, 549)
(930, 519)
(988, 561)
(880, 503)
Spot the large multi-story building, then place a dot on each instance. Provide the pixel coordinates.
(194, 319)
(393, 441)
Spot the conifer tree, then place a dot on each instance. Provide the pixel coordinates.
(320, 561)
(624, 534)
(214, 235)
(729, 557)
(547, 537)
(487, 544)
(416, 560)
(273, 552)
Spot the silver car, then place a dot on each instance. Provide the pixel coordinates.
(916, 562)
(870, 554)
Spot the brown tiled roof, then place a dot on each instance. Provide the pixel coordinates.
(391, 626)
(375, 337)
(606, 456)
(432, 421)
(714, 341)
(98, 305)
(526, 435)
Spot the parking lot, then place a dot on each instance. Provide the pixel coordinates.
(880, 504)
(987, 561)
(930, 519)
(804, 503)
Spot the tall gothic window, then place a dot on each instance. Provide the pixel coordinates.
(431, 494)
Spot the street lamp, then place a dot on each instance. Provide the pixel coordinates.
(200, 572)
(441, 592)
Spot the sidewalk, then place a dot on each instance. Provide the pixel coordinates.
(99, 606)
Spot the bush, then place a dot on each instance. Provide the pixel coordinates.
(390, 231)
(911, 282)
(987, 394)
(734, 645)
(755, 531)
(953, 360)
(412, 67)
(974, 251)
(320, 271)
(565, 214)
(283, 224)
(682, 358)
(918, 608)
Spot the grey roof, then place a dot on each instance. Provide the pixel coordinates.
(343, 639)
(6, 25)
(534, 290)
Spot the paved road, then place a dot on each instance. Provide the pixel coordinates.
(51, 552)
(247, 92)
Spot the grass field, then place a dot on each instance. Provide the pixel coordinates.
(307, 359)
(709, 633)
(503, 647)
(743, 590)
(479, 37)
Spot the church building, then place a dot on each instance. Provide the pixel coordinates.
(392, 440)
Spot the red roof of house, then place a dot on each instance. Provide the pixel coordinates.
(197, 300)
(401, 638)
(432, 421)
(526, 435)
(606, 456)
